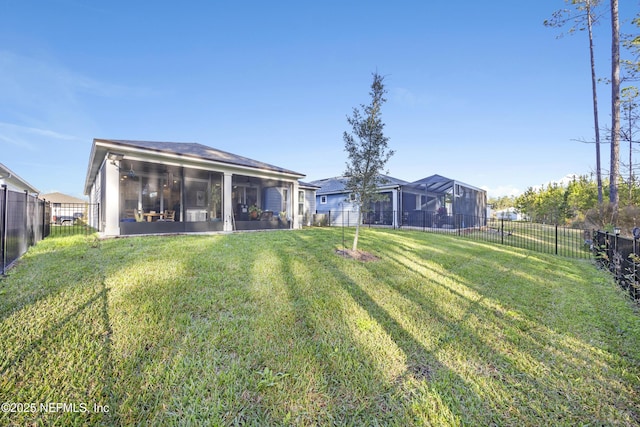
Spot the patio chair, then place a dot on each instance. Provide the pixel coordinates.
(169, 215)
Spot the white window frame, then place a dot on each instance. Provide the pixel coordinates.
(301, 202)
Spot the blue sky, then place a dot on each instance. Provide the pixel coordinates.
(477, 91)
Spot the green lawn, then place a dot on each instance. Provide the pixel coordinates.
(274, 328)
(535, 236)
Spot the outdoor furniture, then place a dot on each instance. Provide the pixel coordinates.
(153, 216)
(169, 215)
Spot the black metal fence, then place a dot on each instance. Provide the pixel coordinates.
(22, 224)
(552, 239)
(73, 218)
(620, 256)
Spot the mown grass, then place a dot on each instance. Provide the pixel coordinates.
(276, 329)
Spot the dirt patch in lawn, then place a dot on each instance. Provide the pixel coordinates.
(357, 255)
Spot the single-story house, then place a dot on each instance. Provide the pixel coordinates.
(510, 214)
(435, 201)
(145, 187)
(13, 182)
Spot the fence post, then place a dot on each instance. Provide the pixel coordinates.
(3, 235)
(502, 230)
(26, 218)
(614, 249)
(556, 239)
(44, 216)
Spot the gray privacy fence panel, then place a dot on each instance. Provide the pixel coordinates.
(3, 210)
(23, 223)
(16, 233)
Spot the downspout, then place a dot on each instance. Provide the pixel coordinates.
(400, 206)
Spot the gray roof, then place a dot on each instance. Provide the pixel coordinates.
(187, 150)
(308, 185)
(57, 197)
(337, 185)
(439, 184)
(193, 149)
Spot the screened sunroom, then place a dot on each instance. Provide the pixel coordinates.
(439, 202)
(146, 187)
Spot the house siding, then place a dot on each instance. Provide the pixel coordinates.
(309, 206)
(342, 212)
(273, 198)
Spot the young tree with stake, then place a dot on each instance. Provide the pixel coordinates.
(367, 150)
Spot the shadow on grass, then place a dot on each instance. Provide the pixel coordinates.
(61, 355)
(181, 330)
(515, 309)
(400, 398)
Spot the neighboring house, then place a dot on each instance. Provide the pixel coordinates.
(435, 201)
(332, 197)
(145, 187)
(14, 182)
(65, 209)
(510, 214)
(443, 202)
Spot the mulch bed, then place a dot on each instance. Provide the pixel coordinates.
(357, 255)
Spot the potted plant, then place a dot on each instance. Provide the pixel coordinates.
(254, 212)
(283, 216)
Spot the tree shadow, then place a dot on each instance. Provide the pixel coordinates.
(422, 371)
(504, 325)
(187, 340)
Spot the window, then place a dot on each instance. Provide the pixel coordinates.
(323, 200)
(285, 199)
(301, 202)
(352, 197)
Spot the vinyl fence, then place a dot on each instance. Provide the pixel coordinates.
(23, 223)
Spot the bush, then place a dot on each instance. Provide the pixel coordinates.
(602, 218)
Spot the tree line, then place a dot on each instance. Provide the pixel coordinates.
(575, 203)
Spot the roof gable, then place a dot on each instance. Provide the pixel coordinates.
(338, 184)
(196, 150)
(14, 182)
(57, 197)
(439, 184)
(187, 152)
